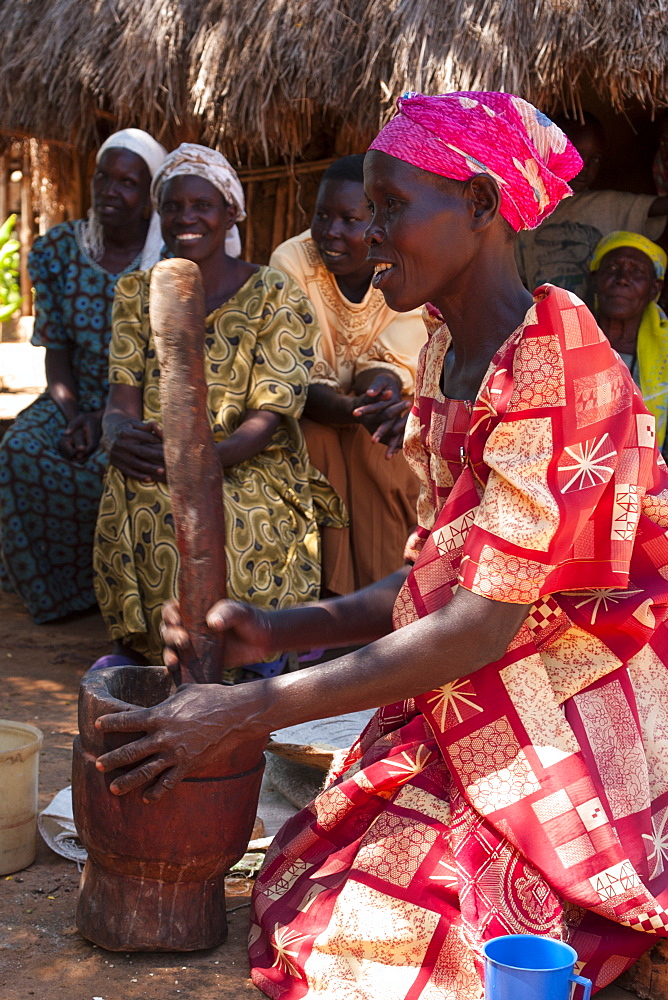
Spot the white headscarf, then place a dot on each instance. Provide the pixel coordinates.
(136, 141)
(192, 160)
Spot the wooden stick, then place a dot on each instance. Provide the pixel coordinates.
(249, 242)
(280, 204)
(281, 171)
(4, 186)
(25, 234)
(194, 474)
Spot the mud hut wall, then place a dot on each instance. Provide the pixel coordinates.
(279, 204)
(280, 197)
(280, 200)
(631, 141)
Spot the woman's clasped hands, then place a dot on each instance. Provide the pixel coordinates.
(383, 410)
(136, 448)
(82, 436)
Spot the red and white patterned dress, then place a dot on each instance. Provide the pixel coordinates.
(531, 796)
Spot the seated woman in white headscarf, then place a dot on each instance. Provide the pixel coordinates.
(259, 348)
(51, 462)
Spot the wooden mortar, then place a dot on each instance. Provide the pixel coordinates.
(155, 875)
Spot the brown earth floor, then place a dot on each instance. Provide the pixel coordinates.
(42, 954)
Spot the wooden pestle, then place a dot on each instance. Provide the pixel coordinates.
(155, 876)
(194, 475)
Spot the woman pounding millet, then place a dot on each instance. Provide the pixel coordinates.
(515, 779)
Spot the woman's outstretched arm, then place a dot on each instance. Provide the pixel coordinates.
(200, 720)
(253, 635)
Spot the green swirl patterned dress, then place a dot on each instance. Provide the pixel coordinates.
(259, 349)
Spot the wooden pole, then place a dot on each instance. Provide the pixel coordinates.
(249, 243)
(280, 205)
(277, 172)
(4, 187)
(17, 133)
(290, 229)
(77, 188)
(25, 235)
(195, 477)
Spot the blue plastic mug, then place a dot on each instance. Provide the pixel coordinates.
(529, 967)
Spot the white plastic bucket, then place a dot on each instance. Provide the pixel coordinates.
(19, 769)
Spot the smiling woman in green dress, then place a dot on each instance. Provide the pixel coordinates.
(260, 339)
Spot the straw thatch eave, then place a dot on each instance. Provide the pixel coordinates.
(260, 78)
(255, 74)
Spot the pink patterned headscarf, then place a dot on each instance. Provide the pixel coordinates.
(465, 133)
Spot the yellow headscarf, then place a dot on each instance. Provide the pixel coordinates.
(652, 343)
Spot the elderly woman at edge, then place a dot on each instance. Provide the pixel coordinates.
(51, 462)
(628, 272)
(515, 779)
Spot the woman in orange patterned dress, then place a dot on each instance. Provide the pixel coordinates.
(515, 779)
(367, 354)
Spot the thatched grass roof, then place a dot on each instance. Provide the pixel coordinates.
(255, 74)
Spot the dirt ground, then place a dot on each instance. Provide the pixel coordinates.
(42, 954)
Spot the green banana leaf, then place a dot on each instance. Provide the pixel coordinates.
(6, 229)
(6, 312)
(8, 253)
(10, 292)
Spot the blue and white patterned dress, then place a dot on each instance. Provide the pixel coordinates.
(48, 504)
